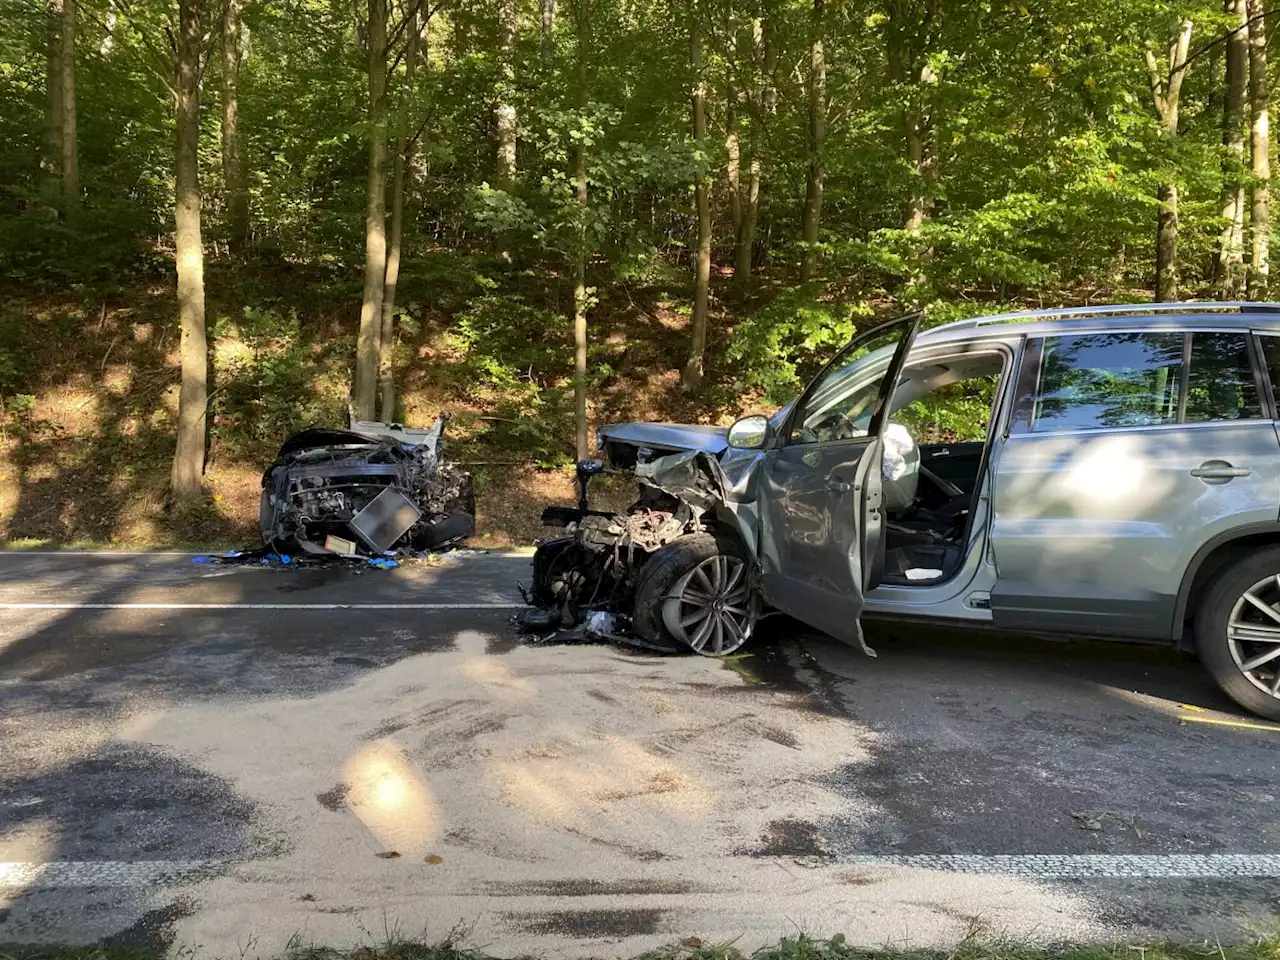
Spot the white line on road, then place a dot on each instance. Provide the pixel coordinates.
(512, 605)
(1031, 866)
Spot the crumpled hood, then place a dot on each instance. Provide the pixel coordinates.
(666, 437)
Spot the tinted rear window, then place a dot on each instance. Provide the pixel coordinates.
(1116, 380)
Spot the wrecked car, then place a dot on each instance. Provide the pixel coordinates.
(1102, 471)
(365, 491)
(671, 570)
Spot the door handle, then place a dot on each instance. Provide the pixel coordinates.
(1218, 471)
(839, 486)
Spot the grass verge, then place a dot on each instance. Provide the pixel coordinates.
(973, 947)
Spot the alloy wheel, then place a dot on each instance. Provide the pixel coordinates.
(712, 608)
(1253, 635)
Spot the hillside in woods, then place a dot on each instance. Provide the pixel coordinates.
(458, 199)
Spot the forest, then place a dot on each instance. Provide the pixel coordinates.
(224, 220)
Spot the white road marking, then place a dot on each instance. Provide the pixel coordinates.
(19, 552)
(109, 873)
(104, 873)
(512, 605)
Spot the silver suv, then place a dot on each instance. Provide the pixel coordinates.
(1110, 471)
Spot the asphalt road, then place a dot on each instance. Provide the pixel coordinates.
(222, 759)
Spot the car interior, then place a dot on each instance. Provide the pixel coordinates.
(932, 464)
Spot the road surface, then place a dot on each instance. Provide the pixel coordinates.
(225, 759)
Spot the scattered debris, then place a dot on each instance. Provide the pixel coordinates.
(1094, 820)
(389, 855)
(433, 858)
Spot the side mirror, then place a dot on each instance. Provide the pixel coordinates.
(751, 433)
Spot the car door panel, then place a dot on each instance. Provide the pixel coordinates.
(956, 463)
(820, 499)
(812, 522)
(1092, 530)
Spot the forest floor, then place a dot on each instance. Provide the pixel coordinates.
(89, 384)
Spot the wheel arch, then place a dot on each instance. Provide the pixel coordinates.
(1210, 559)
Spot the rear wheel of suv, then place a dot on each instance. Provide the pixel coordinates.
(697, 591)
(1238, 631)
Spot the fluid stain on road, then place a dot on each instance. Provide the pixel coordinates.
(592, 924)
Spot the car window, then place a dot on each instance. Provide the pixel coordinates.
(1271, 358)
(841, 402)
(1109, 380)
(956, 413)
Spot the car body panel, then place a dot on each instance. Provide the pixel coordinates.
(1096, 531)
(1099, 526)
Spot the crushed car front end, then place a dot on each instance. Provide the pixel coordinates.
(365, 491)
(675, 571)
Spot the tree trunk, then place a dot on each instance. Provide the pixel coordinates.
(918, 122)
(386, 379)
(1260, 152)
(232, 171)
(188, 456)
(732, 138)
(1167, 243)
(582, 14)
(906, 48)
(733, 167)
(375, 227)
(744, 251)
(51, 158)
(1228, 273)
(692, 377)
(1165, 92)
(817, 133)
(548, 31)
(767, 105)
(70, 147)
(505, 108)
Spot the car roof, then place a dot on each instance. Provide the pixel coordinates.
(1207, 315)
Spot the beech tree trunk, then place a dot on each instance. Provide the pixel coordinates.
(375, 227)
(692, 376)
(548, 31)
(1166, 88)
(505, 108)
(732, 138)
(1228, 261)
(70, 147)
(582, 18)
(817, 133)
(232, 169)
(908, 43)
(188, 456)
(51, 157)
(1260, 153)
(386, 341)
(766, 104)
(918, 122)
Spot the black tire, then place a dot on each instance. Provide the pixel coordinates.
(1213, 614)
(665, 569)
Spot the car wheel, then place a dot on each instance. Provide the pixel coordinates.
(699, 592)
(1238, 632)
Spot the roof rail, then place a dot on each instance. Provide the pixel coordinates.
(1117, 309)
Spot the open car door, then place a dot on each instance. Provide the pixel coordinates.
(822, 543)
